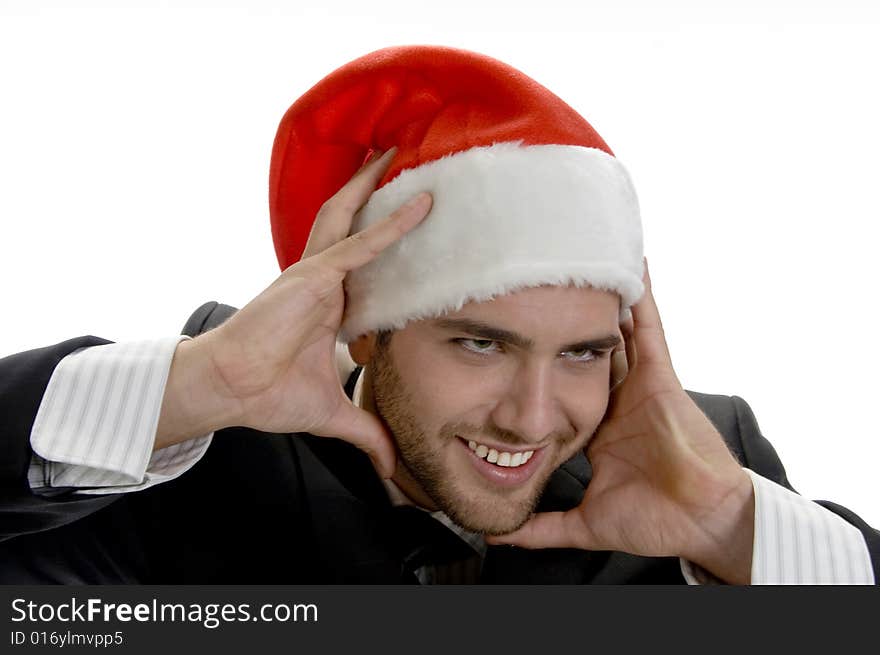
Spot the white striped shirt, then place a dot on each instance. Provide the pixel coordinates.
(96, 425)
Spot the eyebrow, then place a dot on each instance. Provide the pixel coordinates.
(492, 333)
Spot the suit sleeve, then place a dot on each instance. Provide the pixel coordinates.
(33, 495)
(23, 381)
(797, 539)
(83, 415)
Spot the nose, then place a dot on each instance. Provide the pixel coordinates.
(528, 405)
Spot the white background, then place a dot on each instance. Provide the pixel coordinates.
(134, 155)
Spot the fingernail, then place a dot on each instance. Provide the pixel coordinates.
(421, 200)
(387, 472)
(371, 159)
(387, 154)
(377, 464)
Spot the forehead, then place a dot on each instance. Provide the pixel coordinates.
(547, 312)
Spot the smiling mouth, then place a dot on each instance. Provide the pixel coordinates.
(500, 457)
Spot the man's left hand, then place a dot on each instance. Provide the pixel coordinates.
(664, 482)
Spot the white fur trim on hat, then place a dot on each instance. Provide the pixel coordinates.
(505, 217)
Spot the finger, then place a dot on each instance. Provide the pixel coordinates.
(620, 365)
(366, 431)
(548, 530)
(648, 335)
(619, 369)
(626, 327)
(333, 222)
(630, 350)
(361, 247)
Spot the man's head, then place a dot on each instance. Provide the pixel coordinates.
(525, 372)
(532, 247)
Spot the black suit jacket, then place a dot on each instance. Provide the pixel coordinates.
(265, 508)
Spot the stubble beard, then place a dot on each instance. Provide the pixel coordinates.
(477, 509)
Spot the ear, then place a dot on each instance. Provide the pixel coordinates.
(361, 349)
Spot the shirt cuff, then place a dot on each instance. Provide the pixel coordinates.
(96, 425)
(797, 541)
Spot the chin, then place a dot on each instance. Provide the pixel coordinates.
(485, 513)
(490, 523)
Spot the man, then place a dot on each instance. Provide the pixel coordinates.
(511, 355)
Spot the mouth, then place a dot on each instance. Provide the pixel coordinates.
(502, 467)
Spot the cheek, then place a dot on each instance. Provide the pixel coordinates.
(587, 403)
(439, 389)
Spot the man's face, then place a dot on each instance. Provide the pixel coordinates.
(510, 376)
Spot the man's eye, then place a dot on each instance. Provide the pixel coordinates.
(583, 355)
(478, 345)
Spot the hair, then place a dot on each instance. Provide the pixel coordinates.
(383, 338)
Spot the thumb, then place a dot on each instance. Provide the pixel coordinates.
(548, 530)
(364, 430)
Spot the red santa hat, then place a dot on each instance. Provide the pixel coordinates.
(526, 193)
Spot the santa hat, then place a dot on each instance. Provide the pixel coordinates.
(525, 192)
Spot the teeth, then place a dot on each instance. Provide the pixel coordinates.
(500, 458)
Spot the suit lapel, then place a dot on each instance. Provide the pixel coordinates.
(350, 514)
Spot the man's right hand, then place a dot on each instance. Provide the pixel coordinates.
(272, 366)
